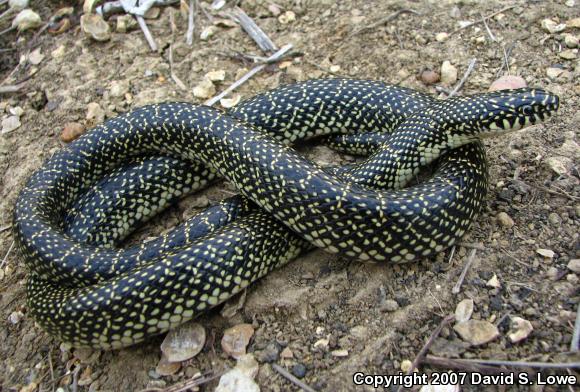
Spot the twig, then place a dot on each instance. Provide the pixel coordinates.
(491, 36)
(451, 254)
(146, 32)
(250, 27)
(9, 29)
(11, 88)
(276, 56)
(6, 255)
(384, 20)
(560, 192)
(482, 19)
(448, 363)
(428, 345)
(175, 78)
(187, 384)
(460, 84)
(470, 259)
(190, 22)
(75, 383)
(4, 228)
(291, 378)
(575, 343)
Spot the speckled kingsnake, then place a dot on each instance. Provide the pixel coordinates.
(89, 293)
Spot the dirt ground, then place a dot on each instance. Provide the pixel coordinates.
(374, 316)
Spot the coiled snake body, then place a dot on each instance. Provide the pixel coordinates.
(88, 197)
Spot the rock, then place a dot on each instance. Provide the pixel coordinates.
(287, 17)
(230, 102)
(520, 330)
(464, 310)
(10, 124)
(59, 52)
(167, 368)
(570, 41)
(448, 73)
(552, 27)
(441, 37)
(274, 9)
(359, 332)
(554, 219)
(208, 32)
(339, 353)
(573, 23)
(26, 20)
(477, 332)
(493, 282)
(248, 365)
(236, 339)
(299, 370)
(235, 381)
(184, 342)
(390, 305)
(205, 89)
(547, 253)
(553, 73)
(95, 112)
(216, 76)
(321, 343)
(505, 220)
(286, 353)
(126, 23)
(508, 82)
(406, 365)
(95, 27)
(560, 165)
(568, 54)
(16, 317)
(152, 13)
(570, 3)
(35, 57)
(429, 77)
(269, 354)
(118, 89)
(17, 5)
(553, 273)
(574, 265)
(235, 303)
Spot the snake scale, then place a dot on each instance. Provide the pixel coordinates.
(75, 211)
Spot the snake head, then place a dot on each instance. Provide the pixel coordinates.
(490, 114)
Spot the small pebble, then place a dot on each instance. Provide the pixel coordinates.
(520, 330)
(166, 368)
(269, 354)
(26, 19)
(208, 32)
(339, 353)
(559, 164)
(95, 27)
(554, 73)
(236, 339)
(230, 102)
(321, 343)
(464, 310)
(477, 332)
(205, 89)
(35, 57)
(571, 41)
(184, 342)
(287, 17)
(390, 305)
(287, 353)
(16, 317)
(553, 273)
(406, 365)
(118, 89)
(10, 124)
(448, 73)
(126, 23)
(235, 381)
(573, 23)
(574, 265)
(552, 27)
(299, 370)
(508, 82)
(429, 77)
(554, 219)
(547, 253)
(274, 9)
(95, 112)
(568, 54)
(505, 220)
(441, 37)
(216, 76)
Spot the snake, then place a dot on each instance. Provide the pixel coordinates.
(74, 213)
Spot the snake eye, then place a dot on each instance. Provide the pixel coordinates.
(527, 110)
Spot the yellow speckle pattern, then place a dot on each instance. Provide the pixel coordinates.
(77, 208)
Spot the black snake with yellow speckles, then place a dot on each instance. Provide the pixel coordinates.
(86, 198)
